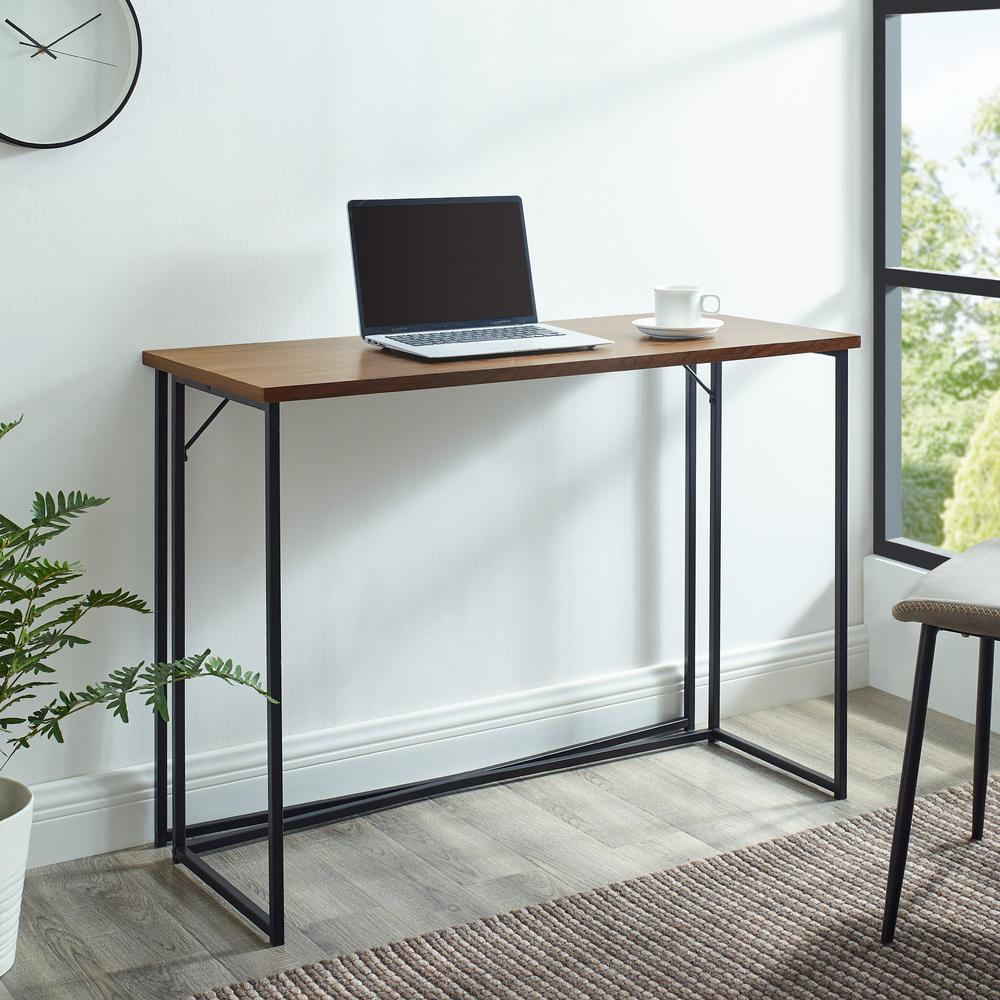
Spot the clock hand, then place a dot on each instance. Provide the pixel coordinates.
(73, 55)
(37, 45)
(73, 32)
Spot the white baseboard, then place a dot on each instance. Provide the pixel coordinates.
(92, 814)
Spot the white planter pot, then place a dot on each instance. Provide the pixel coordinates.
(16, 804)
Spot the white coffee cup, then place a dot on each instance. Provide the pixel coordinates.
(680, 307)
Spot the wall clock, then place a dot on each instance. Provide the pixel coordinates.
(67, 68)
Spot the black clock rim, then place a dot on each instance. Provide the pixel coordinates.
(121, 107)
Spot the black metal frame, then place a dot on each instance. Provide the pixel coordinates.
(192, 842)
(887, 278)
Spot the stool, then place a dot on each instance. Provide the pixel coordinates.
(961, 595)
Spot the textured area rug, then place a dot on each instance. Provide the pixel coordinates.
(796, 917)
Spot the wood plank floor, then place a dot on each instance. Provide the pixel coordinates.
(131, 925)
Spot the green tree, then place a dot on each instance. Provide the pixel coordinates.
(974, 512)
(983, 149)
(950, 345)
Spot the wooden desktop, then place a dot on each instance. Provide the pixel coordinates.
(285, 370)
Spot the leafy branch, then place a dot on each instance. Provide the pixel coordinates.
(150, 680)
(37, 621)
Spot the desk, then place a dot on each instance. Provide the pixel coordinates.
(266, 375)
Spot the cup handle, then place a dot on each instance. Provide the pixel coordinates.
(718, 304)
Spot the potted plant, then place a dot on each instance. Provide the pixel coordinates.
(38, 620)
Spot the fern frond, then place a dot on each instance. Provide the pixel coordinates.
(52, 515)
(115, 599)
(6, 428)
(150, 680)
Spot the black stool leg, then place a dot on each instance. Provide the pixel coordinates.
(981, 768)
(908, 780)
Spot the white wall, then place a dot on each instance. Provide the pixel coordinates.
(450, 546)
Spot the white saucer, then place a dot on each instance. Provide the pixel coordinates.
(708, 326)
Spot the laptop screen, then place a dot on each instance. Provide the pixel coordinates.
(440, 264)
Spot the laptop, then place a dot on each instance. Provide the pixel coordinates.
(444, 278)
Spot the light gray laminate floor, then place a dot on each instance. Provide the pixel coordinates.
(132, 925)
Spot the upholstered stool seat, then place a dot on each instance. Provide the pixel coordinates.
(961, 595)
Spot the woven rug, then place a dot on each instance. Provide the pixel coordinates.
(796, 917)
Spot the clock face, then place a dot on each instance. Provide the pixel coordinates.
(67, 67)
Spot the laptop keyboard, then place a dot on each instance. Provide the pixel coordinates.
(474, 336)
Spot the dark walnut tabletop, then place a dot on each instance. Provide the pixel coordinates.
(284, 370)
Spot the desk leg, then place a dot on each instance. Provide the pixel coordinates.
(837, 783)
(179, 835)
(275, 794)
(715, 555)
(161, 448)
(690, 545)
(187, 850)
(840, 582)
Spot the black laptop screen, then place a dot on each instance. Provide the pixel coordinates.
(441, 264)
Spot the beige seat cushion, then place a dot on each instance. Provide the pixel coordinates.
(961, 595)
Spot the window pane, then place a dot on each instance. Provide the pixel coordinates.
(950, 107)
(950, 433)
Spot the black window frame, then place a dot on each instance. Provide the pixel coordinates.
(886, 279)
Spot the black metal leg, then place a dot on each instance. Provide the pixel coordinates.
(275, 799)
(161, 449)
(690, 545)
(840, 583)
(981, 768)
(177, 643)
(184, 837)
(715, 554)
(908, 780)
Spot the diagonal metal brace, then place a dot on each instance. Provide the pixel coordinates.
(204, 427)
(694, 375)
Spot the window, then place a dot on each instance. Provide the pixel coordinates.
(937, 277)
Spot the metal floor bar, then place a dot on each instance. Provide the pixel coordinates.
(776, 760)
(236, 898)
(592, 747)
(221, 834)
